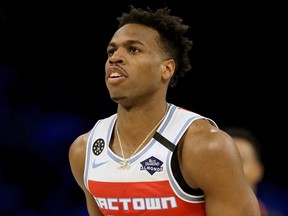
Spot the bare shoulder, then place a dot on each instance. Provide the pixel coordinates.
(204, 137)
(210, 160)
(78, 147)
(77, 155)
(206, 147)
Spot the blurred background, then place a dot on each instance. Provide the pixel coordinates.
(52, 89)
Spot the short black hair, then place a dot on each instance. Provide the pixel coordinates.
(248, 135)
(171, 31)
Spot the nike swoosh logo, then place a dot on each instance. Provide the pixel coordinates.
(95, 165)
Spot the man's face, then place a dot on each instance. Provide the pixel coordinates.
(134, 64)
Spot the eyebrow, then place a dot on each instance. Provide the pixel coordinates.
(127, 43)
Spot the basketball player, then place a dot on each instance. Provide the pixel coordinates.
(153, 157)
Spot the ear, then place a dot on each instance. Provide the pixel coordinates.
(168, 68)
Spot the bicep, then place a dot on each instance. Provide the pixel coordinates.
(77, 155)
(214, 165)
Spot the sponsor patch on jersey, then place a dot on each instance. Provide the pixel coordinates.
(98, 146)
(152, 165)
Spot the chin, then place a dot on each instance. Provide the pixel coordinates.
(117, 99)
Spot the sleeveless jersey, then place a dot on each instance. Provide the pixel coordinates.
(148, 187)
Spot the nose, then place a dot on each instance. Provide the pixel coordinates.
(117, 57)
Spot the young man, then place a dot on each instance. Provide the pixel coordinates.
(152, 157)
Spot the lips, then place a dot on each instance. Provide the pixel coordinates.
(115, 72)
(115, 75)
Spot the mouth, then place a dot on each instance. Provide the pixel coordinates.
(115, 75)
(115, 72)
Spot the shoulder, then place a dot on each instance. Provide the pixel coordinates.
(210, 160)
(202, 135)
(77, 150)
(79, 144)
(78, 147)
(77, 154)
(206, 147)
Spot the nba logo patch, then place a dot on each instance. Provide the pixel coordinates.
(98, 146)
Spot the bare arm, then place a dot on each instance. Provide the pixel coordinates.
(210, 160)
(77, 154)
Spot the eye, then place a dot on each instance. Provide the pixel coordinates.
(134, 50)
(110, 52)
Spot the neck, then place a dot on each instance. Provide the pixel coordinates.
(135, 125)
(142, 117)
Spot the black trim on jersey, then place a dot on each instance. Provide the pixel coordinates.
(179, 177)
(165, 142)
(175, 165)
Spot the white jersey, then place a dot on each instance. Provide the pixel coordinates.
(149, 186)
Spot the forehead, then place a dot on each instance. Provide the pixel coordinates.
(136, 32)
